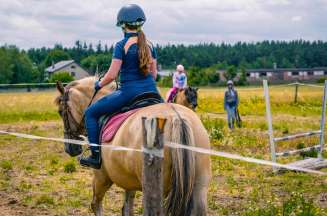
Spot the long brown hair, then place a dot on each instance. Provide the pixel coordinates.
(145, 58)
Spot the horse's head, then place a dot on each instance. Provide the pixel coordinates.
(191, 95)
(73, 99)
(72, 119)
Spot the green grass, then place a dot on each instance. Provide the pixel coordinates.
(42, 176)
(70, 167)
(6, 165)
(32, 106)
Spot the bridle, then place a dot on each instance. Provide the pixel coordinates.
(67, 117)
(67, 114)
(187, 96)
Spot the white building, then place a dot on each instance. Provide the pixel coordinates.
(69, 66)
(166, 73)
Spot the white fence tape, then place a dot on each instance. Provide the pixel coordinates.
(305, 84)
(280, 86)
(172, 145)
(72, 141)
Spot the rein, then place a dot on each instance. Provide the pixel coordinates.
(67, 113)
(67, 116)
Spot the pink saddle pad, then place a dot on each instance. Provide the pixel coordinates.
(112, 126)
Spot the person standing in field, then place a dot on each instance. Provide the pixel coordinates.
(179, 82)
(230, 103)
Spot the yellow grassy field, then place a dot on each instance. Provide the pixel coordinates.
(38, 178)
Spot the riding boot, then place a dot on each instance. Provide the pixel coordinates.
(94, 160)
(170, 98)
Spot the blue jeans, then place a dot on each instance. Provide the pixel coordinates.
(109, 105)
(231, 111)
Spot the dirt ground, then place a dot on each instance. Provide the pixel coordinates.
(11, 206)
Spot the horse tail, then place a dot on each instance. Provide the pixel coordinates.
(179, 199)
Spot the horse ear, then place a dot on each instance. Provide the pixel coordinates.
(60, 87)
(196, 89)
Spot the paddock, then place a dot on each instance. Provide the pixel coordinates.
(63, 187)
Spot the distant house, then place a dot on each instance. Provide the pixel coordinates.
(165, 73)
(281, 75)
(286, 74)
(69, 66)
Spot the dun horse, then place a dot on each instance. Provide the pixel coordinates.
(187, 97)
(186, 174)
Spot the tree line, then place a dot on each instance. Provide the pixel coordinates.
(201, 60)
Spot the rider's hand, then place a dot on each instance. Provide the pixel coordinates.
(97, 86)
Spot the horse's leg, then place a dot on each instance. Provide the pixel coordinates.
(101, 183)
(201, 184)
(199, 199)
(127, 209)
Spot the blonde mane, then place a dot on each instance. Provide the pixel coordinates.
(80, 94)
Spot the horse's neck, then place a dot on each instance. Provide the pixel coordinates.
(108, 89)
(101, 93)
(181, 98)
(83, 96)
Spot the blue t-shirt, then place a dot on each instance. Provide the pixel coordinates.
(130, 73)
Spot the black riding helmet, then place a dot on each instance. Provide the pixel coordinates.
(131, 14)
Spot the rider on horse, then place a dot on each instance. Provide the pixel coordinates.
(135, 59)
(179, 82)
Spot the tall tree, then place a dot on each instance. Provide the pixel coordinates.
(6, 71)
(230, 73)
(99, 48)
(55, 56)
(90, 50)
(22, 67)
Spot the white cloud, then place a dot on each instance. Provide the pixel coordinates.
(278, 2)
(296, 18)
(35, 23)
(25, 24)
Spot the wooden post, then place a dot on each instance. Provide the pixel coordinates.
(296, 92)
(269, 120)
(152, 178)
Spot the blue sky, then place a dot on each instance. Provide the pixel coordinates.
(37, 23)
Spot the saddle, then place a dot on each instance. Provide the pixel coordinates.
(110, 123)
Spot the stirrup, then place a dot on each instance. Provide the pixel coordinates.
(90, 161)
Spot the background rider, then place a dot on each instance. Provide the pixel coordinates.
(179, 82)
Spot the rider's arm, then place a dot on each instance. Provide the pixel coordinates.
(185, 82)
(112, 73)
(116, 62)
(174, 80)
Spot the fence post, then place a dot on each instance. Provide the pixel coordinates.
(322, 123)
(269, 119)
(152, 176)
(296, 92)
